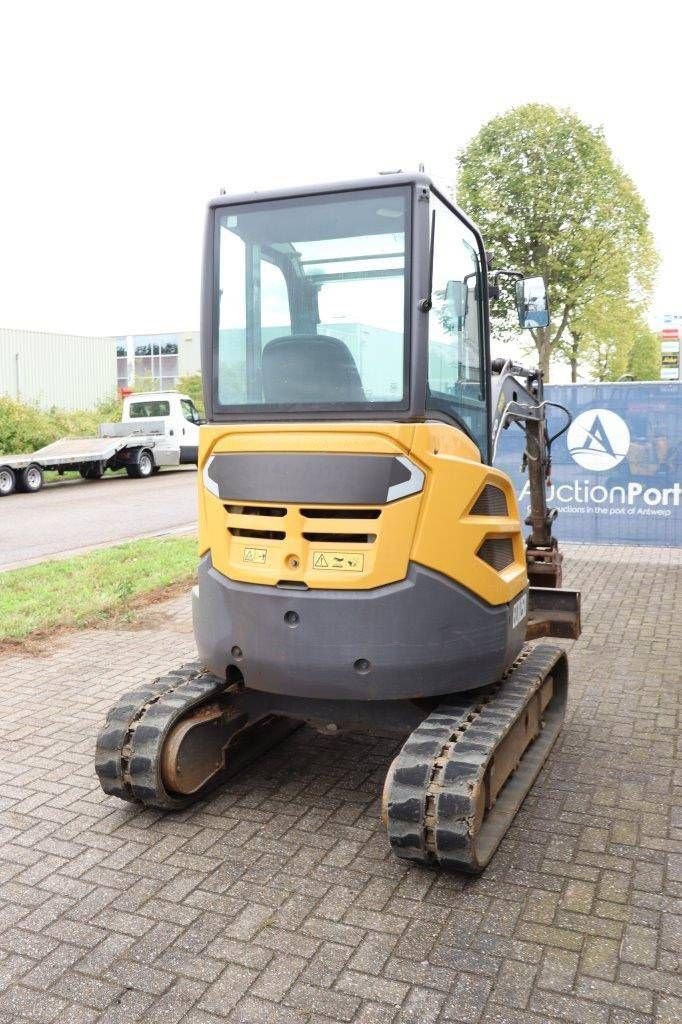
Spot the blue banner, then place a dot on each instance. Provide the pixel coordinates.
(617, 471)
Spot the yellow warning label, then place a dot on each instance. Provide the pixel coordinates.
(255, 555)
(342, 561)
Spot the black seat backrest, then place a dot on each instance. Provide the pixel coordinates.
(311, 368)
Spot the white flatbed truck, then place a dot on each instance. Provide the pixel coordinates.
(157, 429)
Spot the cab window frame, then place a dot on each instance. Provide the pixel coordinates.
(443, 411)
(368, 410)
(193, 416)
(146, 405)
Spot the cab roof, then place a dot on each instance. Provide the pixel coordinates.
(354, 185)
(154, 395)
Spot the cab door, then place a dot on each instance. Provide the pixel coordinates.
(189, 432)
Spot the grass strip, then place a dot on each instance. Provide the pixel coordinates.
(91, 588)
(52, 476)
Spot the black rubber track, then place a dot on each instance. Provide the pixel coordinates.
(429, 806)
(131, 741)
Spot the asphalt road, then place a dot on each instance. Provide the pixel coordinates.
(72, 516)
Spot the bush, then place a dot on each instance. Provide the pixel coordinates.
(110, 410)
(192, 386)
(24, 428)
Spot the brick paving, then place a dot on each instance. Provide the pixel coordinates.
(277, 900)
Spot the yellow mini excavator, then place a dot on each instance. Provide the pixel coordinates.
(362, 564)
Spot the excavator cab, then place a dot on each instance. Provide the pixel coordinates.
(346, 468)
(362, 562)
(355, 303)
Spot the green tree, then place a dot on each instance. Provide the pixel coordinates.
(191, 384)
(550, 199)
(601, 329)
(603, 333)
(645, 356)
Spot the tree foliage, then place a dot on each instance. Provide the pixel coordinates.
(192, 385)
(612, 338)
(603, 334)
(644, 362)
(549, 199)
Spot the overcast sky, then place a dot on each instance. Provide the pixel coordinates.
(120, 119)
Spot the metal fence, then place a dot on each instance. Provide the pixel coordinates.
(617, 471)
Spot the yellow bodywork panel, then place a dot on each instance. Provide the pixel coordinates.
(433, 528)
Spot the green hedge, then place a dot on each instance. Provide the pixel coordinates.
(191, 385)
(23, 428)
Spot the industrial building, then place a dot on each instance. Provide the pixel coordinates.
(162, 357)
(65, 371)
(69, 372)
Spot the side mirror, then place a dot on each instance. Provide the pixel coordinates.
(531, 302)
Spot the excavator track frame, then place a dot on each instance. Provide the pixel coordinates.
(446, 802)
(131, 756)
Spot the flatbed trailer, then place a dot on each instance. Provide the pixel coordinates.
(90, 456)
(160, 431)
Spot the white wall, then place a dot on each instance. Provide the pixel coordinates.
(62, 370)
(189, 352)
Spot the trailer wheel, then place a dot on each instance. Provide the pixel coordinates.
(8, 481)
(143, 467)
(94, 471)
(31, 479)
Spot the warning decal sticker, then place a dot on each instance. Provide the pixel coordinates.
(258, 555)
(342, 561)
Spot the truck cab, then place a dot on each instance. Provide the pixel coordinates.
(176, 412)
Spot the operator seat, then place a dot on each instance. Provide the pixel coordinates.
(310, 368)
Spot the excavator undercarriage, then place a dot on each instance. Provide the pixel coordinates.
(449, 796)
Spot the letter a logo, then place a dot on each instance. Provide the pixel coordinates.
(598, 439)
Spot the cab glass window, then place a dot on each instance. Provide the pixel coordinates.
(141, 410)
(456, 364)
(188, 411)
(313, 301)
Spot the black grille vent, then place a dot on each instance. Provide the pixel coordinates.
(258, 534)
(497, 552)
(341, 538)
(341, 513)
(490, 502)
(255, 510)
